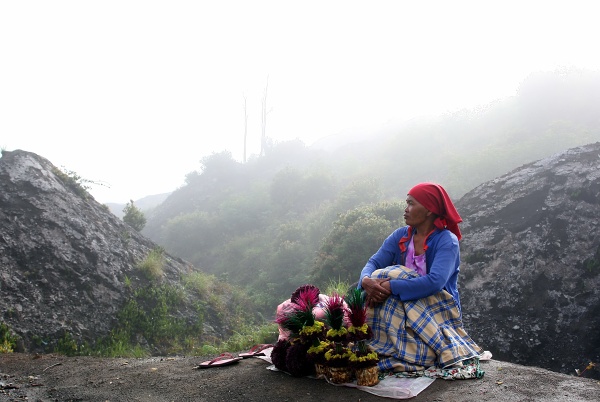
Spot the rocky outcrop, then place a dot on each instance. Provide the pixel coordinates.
(67, 264)
(530, 285)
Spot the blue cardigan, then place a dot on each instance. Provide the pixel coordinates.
(442, 257)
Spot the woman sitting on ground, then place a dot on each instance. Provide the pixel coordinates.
(411, 288)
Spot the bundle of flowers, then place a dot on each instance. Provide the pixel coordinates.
(337, 355)
(298, 318)
(316, 352)
(361, 359)
(307, 290)
(338, 352)
(305, 331)
(359, 331)
(335, 312)
(311, 331)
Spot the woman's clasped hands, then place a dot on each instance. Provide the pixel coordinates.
(377, 290)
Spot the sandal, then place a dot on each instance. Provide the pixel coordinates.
(224, 359)
(257, 350)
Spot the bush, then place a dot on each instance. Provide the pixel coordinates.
(355, 236)
(8, 341)
(133, 216)
(73, 181)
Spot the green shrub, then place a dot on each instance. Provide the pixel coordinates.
(73, 181)
(133, 216)
(67, 345)
(354, 237)
(118, 344)
(8, 341)
(153, 316)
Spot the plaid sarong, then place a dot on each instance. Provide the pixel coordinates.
(419, 334)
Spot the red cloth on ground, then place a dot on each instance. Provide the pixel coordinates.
(435, 199)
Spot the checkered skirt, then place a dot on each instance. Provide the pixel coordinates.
(418, 334)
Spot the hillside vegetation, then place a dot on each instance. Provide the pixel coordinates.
(297, 215)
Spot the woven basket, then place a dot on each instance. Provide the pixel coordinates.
(320, 370)
(339, 375)
(367, 376)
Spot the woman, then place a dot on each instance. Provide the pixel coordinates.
(411, 287)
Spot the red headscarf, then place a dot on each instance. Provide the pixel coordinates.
(435, 199)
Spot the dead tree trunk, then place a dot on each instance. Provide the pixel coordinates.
(263, 138)
(245, 128)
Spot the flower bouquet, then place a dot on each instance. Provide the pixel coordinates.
(362, 360)
(316, 354)
(304, 330)
(338, 353)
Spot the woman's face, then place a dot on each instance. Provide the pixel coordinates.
(415, 213)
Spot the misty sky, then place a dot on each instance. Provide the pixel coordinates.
(135, 93)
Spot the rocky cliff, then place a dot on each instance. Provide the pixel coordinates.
(530, 284)
(68, 265)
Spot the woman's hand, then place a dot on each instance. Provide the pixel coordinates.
(377, 290)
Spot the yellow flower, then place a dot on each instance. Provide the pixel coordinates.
(361, 359)
(318, 349)
(336, 332)
(331, 355)
(317, 327)
(363, 328)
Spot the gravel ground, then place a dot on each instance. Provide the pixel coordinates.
(60, 378)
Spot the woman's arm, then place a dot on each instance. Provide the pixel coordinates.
(378, 290)
(442, 268)
(384, 257)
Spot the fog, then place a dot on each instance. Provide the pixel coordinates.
(133, 94)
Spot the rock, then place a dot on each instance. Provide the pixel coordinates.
(530, 277)
(64, 258)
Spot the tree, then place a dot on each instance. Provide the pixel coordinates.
(134, 217)
(355, 236)
(296, 192)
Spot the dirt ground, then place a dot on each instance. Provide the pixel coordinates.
(60, 378)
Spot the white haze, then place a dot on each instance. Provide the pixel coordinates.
(135, 93)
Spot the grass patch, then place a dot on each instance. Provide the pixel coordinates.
(242, 340)
(152, 266)
(166, 319)
(337, 286)
(198, 282)
(118, 344)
